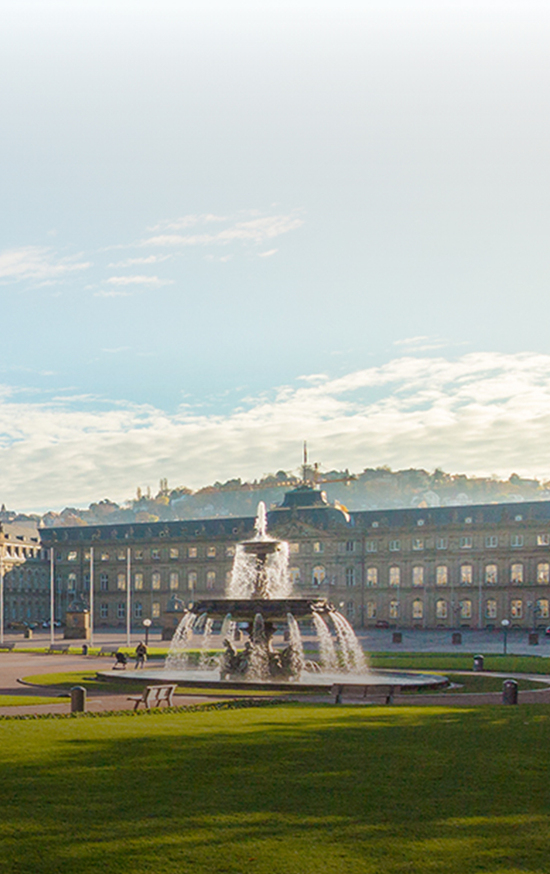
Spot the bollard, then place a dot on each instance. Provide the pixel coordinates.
(78, 699)
(84, 649)
(457, 637)
(397, 637)
(509, 692)
(28, 633)
(478, 663)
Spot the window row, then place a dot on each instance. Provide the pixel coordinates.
(172, 553)
(464, 609)
(466, 575)
(121, 581)
(106, 610)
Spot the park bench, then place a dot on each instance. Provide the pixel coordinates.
(7, 646)
(108, 650)
(153, 696)
(59, 647)
(362, 690)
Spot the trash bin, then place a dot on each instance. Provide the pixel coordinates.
(28, 633)
(478, 663)
(533, 638)
(397, 637)
(509, 692)
(78, 699)
(84, 649)
(457, 637)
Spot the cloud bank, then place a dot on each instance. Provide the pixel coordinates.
(482, 413)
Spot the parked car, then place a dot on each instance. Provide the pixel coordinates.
(56, 624)
(382, 623)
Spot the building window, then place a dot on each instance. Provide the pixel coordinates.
(294, 574)
(491, 574)
(121, 582)
(441, 575)
(192, 581)
(174, 552)
(138, 609)
(441, 543)
(395, 576)
(543, 572)
(87, 555)
(318, 576)
(211, 579)
(491, 609)
(192, 552)
(516, 609)
(155, 580)
(418, 544)
(230, 551)
(86, 582)
(104, 556)
(418, 576)
(466, 542)
(371, 546)
(121, 610)
(466, 575)
(516, 540)
(350, 546)
(72, 556)
(491, 541)
(104, 582)
(371, 609)
(138, 581)
(138, 554)
(174, 580)
(155, 610)
(441, 609)
(395, 545)
(71, 582)
(543, 539)
(466, 609)
(394, 609)
(350, 576)
(516, 574)
(121, 555)
(318, 546)
(542, 608)
(417, 609)
(211, 552)
(155, 554)
(372, 576)
(350, 609)
(294, 548)
(104, 611)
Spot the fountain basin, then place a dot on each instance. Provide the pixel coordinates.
(272, 610)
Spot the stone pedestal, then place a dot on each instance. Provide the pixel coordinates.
(77, 625)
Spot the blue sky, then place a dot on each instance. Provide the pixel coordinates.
(231, 226)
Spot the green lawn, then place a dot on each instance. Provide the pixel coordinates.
(436, 661)
(279, 790)
(22, 700)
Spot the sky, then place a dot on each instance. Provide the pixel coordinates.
(230, 226)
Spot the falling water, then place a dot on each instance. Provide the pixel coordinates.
(206, 645)
(260, 524)
(177, 658)
(296, 644)
(327, 650)
(259, 662)
(353, 656)
(245, 570)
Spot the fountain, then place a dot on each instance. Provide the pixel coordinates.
(260, 604)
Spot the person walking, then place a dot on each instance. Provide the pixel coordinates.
(141, 655)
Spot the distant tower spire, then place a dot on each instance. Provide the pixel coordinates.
(304, 465)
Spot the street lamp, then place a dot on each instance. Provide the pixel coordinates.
(505, 625)
(147, 624)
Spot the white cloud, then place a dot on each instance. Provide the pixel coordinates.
(37, 263)
(481, 413)
(149, 259)
(267, 254)
(253, 230)
(138, 280)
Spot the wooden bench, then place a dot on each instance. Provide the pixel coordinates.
(59, 647)
(153, 696)
(7, 646)
(108, 650)
(362, 690)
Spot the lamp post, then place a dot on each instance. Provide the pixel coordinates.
(147, 625)
(505, 625)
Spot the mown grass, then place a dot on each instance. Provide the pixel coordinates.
(434, 661)
(283, 790)
(23, 700)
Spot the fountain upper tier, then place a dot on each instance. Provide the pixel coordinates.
(272, 609)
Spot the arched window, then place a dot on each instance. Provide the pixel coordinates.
(395, 576)
(294, 574)
(491, 609)
(371, 609)
(441, 575)
(318, 575)
(491, 574)
(417, 609)
(542, 608)
(418, 576)
(466, 609)
(441, 609)
(372, 576)
(394, 609)
(516, 608)
(516, 574)
(466, 575)
(543, 572)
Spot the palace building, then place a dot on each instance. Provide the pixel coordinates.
(444, 567)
